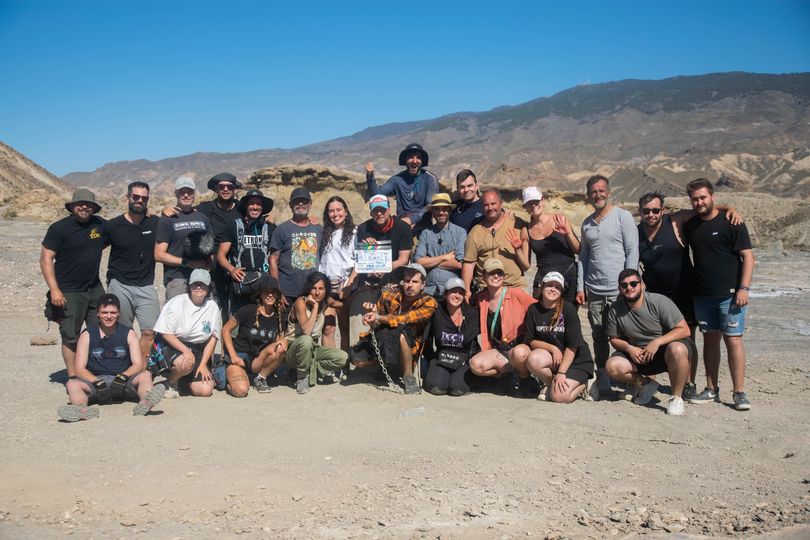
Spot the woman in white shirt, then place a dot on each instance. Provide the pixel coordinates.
(337, 262)
(187, 330)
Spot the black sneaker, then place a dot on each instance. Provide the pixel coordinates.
(706, 396)
(523, 388)
(260, 384)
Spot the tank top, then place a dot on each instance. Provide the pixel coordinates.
(666, 263)
(294, 327)
(552, 253)
(108, 355)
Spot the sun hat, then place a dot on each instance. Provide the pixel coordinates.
(83, 195)
(441, 199)
(413, 148)
(223, 177)
(267, 202)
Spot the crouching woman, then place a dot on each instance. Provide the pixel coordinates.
(190, 324)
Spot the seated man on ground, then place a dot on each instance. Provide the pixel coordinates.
(188, 329)
(441, 246)
(109, 367)
(399, 317)
(650, 336)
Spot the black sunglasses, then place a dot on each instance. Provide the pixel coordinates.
(646, 211)
(137, 198)
(629, 284)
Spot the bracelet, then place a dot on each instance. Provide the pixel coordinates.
(743, 288)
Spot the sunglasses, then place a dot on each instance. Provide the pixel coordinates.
(647, 211)
(137, 198)
(225, 187)
(198, 285)
(629, 284)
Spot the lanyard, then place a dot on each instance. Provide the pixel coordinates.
(497, 312)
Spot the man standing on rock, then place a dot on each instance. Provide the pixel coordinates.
(294, 248)
(413, 187)
(469, 209)
(724, 266)
(131, 269)
(69, 261)
(183, 242)
(650, 336)
(441, 247)
(498, 236)
(609, 245)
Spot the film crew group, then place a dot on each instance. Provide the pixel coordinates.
(441, 280)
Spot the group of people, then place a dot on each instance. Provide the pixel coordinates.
(438, 285)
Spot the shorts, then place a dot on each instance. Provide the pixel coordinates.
(129, 391)
(80, 309)
(659, 363)
(136, 302)
(721, 314)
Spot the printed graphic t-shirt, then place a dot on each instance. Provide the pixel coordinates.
(298, 254)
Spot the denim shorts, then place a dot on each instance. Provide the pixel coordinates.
(720, 315)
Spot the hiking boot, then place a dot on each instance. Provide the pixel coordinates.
(260, 384)
(151, 399)
(689, 391)
(409, 381)
(741, 402)
(706, 396)
(523, 388)
(675, 407)
(171, 390)
(74, 413)
(302, 385)
(646, 392)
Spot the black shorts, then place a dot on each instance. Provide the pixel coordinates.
(659, 363)
(578, 374)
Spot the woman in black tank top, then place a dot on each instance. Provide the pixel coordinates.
(552, 239)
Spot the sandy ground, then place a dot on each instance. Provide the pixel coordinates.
(349, 461)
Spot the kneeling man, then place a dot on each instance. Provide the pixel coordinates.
(109, 367)
(650, 336)
(401, 314)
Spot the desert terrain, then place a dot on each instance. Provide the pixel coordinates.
(353, 461)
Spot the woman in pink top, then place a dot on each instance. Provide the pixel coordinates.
(503, 310)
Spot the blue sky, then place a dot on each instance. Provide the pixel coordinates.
(89, 82)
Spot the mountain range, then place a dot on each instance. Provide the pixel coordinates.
(749, 132)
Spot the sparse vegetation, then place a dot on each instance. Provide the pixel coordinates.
(9, 214)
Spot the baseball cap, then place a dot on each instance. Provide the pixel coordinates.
(300, 193)
(417, 267)
(554, 276)
(378, 201)
(455, 283)
(184, 182)
(200, 276)
(532, 193)
(493, 264)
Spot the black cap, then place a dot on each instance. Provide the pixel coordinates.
(223, 177)
(267, 202)
(413, 148)
(300, 193)
(266, 281)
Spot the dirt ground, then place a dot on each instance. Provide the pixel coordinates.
(351, 461)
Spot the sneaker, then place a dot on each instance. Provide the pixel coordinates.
(151, 399)
(741, 402)
(409, 381)
(542, 395)
(523, 388)
(74, 413)
(603, 381)
(260, 384)
(302, 385)
(171, 390)
(675, 407)
(630, 392)
(706, 396)
(689, 391)
(591, 392)
(646, 392)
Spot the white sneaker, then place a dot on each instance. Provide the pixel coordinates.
(646, 392)
(676, 406)
(171, 392)
(543, 394)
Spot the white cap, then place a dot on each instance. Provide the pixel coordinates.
(532, 193)
(200, 276)
(455, 283)
(554, 276)
(184, 182)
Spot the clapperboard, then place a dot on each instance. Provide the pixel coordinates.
(373, 258)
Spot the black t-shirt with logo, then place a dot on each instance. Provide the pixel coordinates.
(400, 236)
(251, 339)
(132, 250)
(78, 248)
(716, 246)
(566, 334)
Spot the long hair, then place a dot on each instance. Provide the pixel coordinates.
(314, 278)
(276, 311)
(558, 309)
(348, 226)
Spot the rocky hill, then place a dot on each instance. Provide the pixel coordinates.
(749, 131)
(28, 190)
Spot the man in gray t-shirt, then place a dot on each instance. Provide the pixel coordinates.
(650, 336)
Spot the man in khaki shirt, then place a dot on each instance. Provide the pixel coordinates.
(498, 236)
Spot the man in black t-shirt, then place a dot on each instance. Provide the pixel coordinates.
(131, 269)
(724, 266)
(69, 261)
(469, 210)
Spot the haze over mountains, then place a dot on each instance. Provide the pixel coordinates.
(750, 131)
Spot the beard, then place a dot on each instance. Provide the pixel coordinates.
(135, 208)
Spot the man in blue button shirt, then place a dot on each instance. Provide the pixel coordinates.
(441, 247)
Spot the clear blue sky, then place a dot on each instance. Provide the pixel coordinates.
(90, 82)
